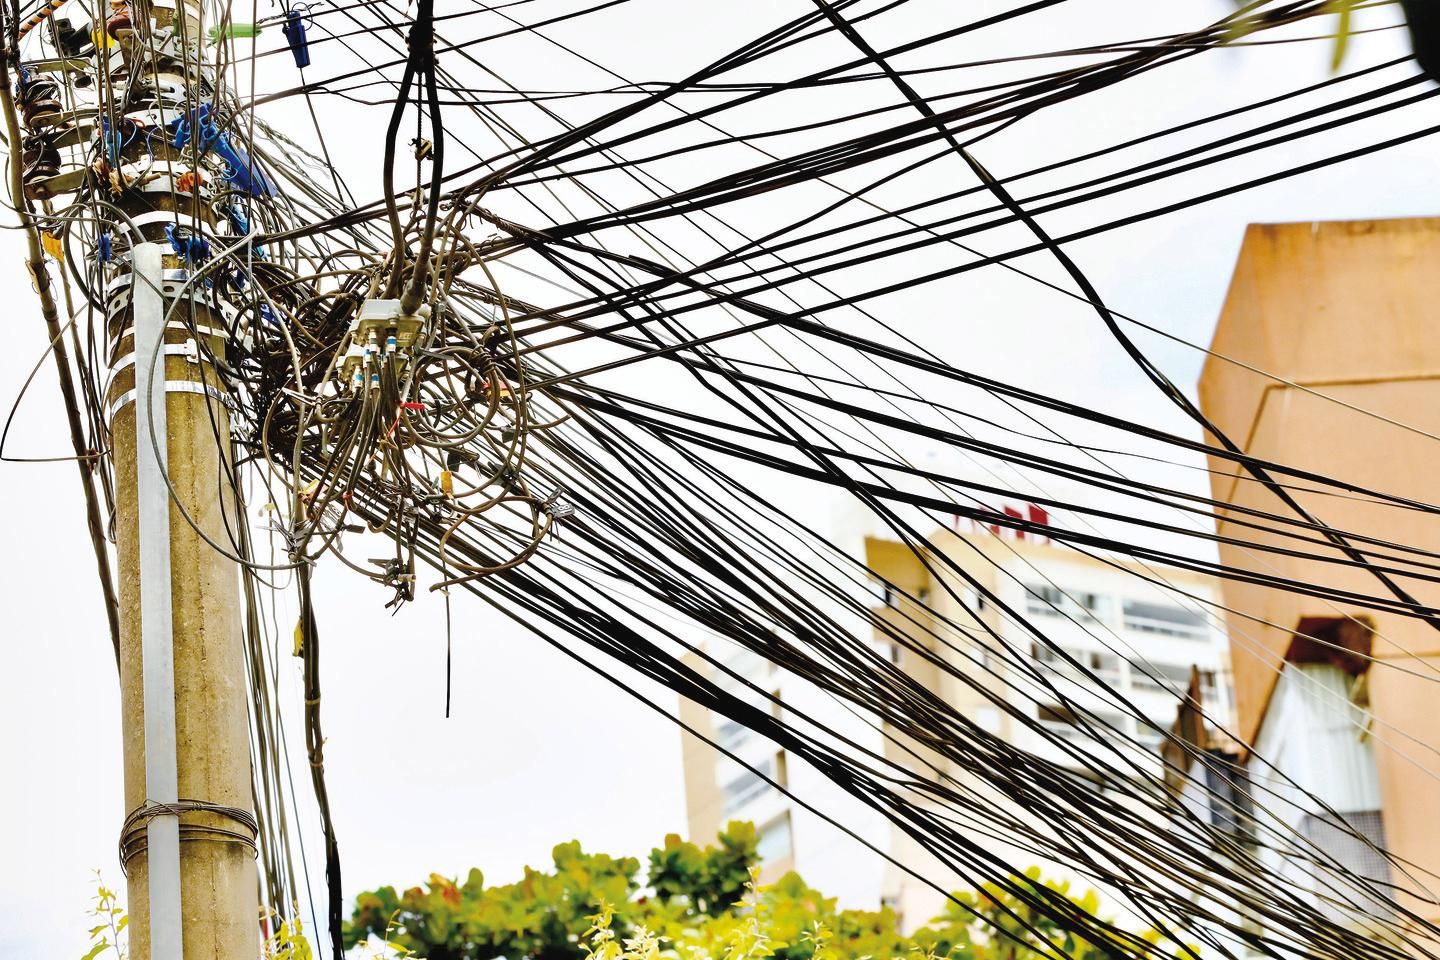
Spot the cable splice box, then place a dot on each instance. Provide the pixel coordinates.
(380, 331)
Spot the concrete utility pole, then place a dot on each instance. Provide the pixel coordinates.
(189, 838)
(183, 697)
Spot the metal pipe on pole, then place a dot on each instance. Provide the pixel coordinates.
(157, 668)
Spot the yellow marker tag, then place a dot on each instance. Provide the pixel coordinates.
(299, 638)
(51, 243)
(447, 483)
(102, 40)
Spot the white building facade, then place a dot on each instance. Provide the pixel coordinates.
(1137, 638)
(1109, 630)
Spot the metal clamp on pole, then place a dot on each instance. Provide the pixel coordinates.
(172, 386)
(156, 628)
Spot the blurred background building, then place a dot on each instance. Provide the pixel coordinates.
(1146, 639)
(1326, 358)
(1112, 636)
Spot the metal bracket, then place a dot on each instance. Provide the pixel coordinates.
(79, 132)
(190, 350)
(174, 386)
(57, 64)
(67, 182)
(198, 328)
(172, 282)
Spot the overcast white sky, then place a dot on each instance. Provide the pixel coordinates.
(538, 750)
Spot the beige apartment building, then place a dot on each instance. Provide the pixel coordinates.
(1327, 359)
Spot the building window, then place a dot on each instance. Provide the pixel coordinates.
(1106, 666)
(731, 734)
(1064, 722)
(1057, 656)
(988, 719)
(1228, 787)
(1355, 842)
(740, 667)
(1165, 619)
(1056, 719)
(1169, 677)
(1051, 601)
(1044, 600)
(776, 840)
(748, 786)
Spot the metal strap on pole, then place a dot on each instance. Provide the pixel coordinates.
(156, 634)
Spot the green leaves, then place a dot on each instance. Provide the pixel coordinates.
(706, 903)
(105, 936)
(289, 942)
(711, 881)
(543, 915)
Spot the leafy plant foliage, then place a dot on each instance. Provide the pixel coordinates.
(108, 933)
(697, 904)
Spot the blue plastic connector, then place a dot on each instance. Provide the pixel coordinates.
(193, 248)
(294, 31)
(241, 224)
(241, 171)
